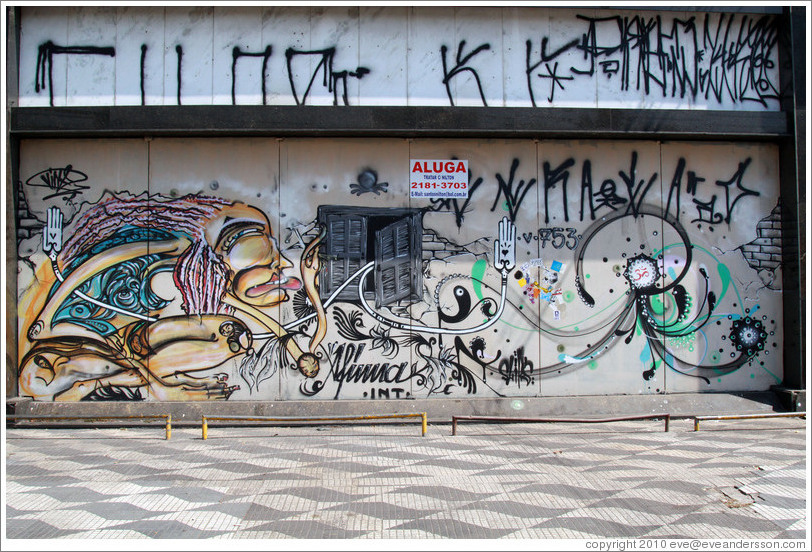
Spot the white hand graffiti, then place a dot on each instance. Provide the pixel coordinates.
(504, 249)
(52, 233)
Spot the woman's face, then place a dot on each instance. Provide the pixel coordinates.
(242, 236)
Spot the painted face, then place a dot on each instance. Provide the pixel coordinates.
(242, 236)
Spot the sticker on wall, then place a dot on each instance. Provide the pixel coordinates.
(438, 178)
(538, 282)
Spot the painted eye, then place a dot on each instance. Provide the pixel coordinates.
(459, 292)
(233, 238)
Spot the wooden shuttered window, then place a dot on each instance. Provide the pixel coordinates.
(355, 236)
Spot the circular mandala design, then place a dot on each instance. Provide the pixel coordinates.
(748, 335)
(642, 272)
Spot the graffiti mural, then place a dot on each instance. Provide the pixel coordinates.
(649, 53)
(104, 332)
(572, 268)
(531, 57)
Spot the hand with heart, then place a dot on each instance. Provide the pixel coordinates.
(52, 233)
(504, 249)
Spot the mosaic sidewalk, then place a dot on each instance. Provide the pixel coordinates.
(629, 479)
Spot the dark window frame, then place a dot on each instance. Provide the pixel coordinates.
(381, 218)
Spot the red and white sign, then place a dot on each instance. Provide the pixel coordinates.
(430, 178)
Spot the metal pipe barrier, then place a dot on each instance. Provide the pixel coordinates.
(508, 419)
(166, 417)
(748, 417)
(205, 419)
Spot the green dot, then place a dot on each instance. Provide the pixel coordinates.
(506, 207)
(586, 276)
(568, 296)
(593, 365)
(719, 380)
(575, 328)
(752, 376)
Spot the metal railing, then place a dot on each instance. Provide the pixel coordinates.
(422, 415)
(286, 419)
(697, 419)
(91, 418)
(510, 419)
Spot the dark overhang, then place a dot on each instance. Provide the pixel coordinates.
(406, 122)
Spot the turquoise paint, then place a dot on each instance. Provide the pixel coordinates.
(724, 274)
(645, 354)
(478, 274)
(777, 379)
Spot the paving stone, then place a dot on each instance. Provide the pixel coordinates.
(34, 529)
(531, 482)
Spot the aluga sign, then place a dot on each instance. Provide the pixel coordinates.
(438, 178)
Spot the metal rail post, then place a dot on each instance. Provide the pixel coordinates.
(506, 419)
(166, 417)
(748, 417)
(205, 420)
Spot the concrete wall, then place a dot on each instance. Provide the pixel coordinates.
(273, 268)
(469, 56)
(194, 269)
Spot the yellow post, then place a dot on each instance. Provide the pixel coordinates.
(168, 426)
(205, 429)
(696, 424)
(425, 424)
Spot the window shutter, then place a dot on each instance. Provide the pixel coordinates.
(393, 273)
(346, 237)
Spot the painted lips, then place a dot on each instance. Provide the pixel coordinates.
(284, 283)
